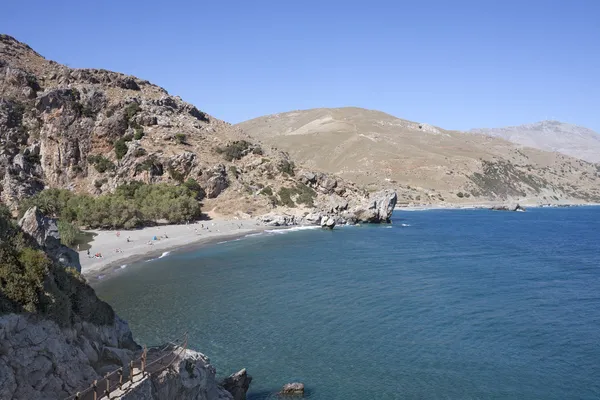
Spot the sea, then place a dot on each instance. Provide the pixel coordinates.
(439, 304)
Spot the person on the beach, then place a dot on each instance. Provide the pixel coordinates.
(118, 234)
(88, 253)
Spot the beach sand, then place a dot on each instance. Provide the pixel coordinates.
(107, 243)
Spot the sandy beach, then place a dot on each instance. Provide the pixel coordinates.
(120, 247)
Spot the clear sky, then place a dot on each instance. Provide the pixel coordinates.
(452, 63)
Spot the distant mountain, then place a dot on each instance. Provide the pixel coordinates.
(425, 164)
(575, 141)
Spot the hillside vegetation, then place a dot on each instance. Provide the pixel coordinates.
(31, 282)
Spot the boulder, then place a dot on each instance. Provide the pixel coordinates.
(510, 207)
(217, 181)
(327, 222)
(378, 208)
(237, 384)
(44, 231)
(278, 220)
(294, 389)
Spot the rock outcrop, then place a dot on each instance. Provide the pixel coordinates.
(191, 377)
(237, 384)
(327, 222)
(292, 389)
(510, 207)
(44, 231)
(40, 360)
(378, 208)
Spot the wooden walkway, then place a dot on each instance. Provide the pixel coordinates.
(117, 382)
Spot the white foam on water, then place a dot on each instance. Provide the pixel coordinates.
(254, 234)
(294, 229)
(166, 253)
(405, 224)
(123, 266)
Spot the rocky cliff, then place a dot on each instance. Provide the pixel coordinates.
(91, 130)
(57, 337)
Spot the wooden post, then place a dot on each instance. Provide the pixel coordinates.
(144, 359)
(120, 378)
(95, 386)
(107, 384)
(131, 371)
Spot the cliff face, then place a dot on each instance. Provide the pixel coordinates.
(91, 130)
(41, 360)
(57, 337)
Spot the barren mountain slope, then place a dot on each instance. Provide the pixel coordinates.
(90, 130)
(425, 163)
(572, 140)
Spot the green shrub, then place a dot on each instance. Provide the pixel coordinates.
(306, 195)
(139, 133)
(131, 205)
(131, 109)
(286, 167)
(101, 163)
(181, 138)
(267, 191)
(121, 148)
(238, 149)
(195, 188)
(139, 151)
(233, 170)
(285, 197)
(460, 194)
(68, 233)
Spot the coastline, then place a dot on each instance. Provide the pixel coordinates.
(164, 238)
(485, 206)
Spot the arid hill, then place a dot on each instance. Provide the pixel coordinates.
(426, 164)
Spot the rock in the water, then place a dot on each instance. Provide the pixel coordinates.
(45, 232)
(237, 384)
(295, 388)
(379, 207)
(511, 207)
(327, 222)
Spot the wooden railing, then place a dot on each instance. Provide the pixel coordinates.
(140, 367)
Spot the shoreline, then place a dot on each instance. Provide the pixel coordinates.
(487, 206)
(151, 242)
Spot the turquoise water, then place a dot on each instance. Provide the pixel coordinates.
(468, 304)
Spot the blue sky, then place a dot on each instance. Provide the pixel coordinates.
(455, 64)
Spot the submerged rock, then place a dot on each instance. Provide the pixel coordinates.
(294, 389)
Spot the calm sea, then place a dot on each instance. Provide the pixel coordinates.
(468, 304)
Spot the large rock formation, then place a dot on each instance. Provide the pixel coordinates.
(41, 360)
(237, 384)
(45, 232)
(379, 207)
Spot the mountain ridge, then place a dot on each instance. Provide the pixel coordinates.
(551, 135)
